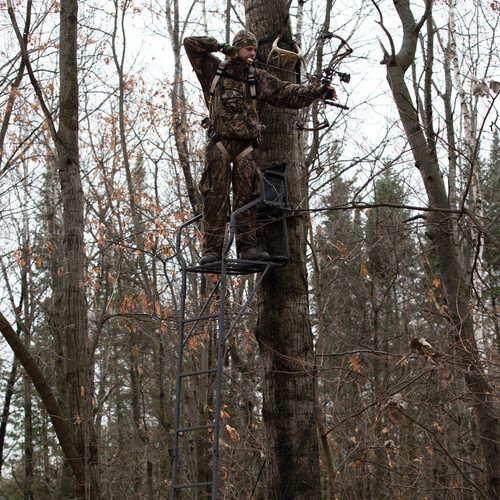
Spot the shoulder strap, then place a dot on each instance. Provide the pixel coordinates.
(215, 81)
(252, 81)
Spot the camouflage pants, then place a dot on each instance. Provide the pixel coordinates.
(215, 188)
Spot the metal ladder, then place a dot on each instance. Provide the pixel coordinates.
(273, 203)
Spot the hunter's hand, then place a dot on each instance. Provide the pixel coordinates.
(228, 50)
(328, 93)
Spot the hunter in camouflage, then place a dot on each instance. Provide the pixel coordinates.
(232, 91)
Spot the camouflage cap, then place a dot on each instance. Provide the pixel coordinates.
(244, 38)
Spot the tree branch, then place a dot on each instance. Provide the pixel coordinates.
(15, 83)
(472, 160)
(34, 81)
(61, 424)
(388, 59)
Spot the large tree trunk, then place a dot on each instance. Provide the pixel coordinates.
(284, 331)
(78, 357)
(453, 273)
(76, 438)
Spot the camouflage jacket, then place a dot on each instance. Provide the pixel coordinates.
(231, 110)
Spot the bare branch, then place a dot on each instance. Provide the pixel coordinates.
(15, 83)
(62, 426)
(34, 81)
(472, 160)
(388, 59)
(428, 7)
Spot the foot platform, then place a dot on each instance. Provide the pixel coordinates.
(238, 266)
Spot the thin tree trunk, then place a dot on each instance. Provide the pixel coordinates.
(179, 115)
(28, 440)
(453, 275)
(318, 362)
(6, 409)
(471, 146)
(54, 313)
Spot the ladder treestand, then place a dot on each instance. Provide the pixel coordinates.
(272, 205)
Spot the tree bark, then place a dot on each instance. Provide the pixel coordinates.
(453, 274)
(284, 330)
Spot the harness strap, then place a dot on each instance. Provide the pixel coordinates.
(226, 154)
(252, 82)
(217, 141)
(215, 81)
(243, 153)
(253, 87)
(223, 150)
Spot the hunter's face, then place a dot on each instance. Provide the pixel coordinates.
(248, 53)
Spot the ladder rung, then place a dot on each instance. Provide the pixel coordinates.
(192, 485)
(200, 318)
(199, 372)
(195, 428)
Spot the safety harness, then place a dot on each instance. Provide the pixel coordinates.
(206, 122)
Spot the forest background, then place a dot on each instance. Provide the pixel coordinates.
(391, 375)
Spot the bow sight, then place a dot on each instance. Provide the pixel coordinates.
(344, 77)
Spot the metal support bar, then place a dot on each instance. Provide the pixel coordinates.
(243, 309)
(198, 372)
(192, 485)
(218, 382)
(212, 294)
(200, 318)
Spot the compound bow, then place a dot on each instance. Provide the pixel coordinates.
(340, 52)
